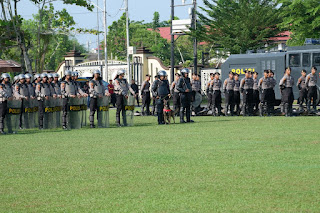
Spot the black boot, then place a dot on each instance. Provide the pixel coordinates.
(118, 120)
(182, 115)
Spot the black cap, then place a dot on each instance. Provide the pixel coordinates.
(217, 73)
(256, 73)
(304, 71)
(211, 74)
(315, 68)
(231, 72)
(270, 71)
(156, 76)
(236, 74)
(147, 75)
(266, 71)
(177, 74)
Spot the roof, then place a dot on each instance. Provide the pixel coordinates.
(284, 36)
(9, 66)
(73, 53)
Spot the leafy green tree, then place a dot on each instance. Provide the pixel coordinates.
(238, 25)
(301, 18)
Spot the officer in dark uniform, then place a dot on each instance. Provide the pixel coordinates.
(303, 92)
(162, 92)
(145, 94)
(255, 95)
(135, 88)
(246, 87)
(236, 90)
(43, 92)
(122, 90)
(216, 94)
(175, 94)
(68, 90)
(286, 83)
(154, 97)
(228, 88)
(272, 99)
(185, 90)
(96, 90)
(5, 95)
(263, 85)
(311, 82)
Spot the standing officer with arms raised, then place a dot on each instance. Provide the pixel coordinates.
(311, 82)
(286, 83)
(246, 86)
(228, 87)
(122, 89)
(68, 90)
(184, 87)
(161, 89)
(96, 90)
(5, 95)
(145, 94)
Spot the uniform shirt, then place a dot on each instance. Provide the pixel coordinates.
(302, 82)
(236, 85)
(145, 87)
(57, 88)
(228, 84)
(111, 88)
(264, 83)
(287, 81)
(23, 90)
(135, 88)
(255, 84)
(3, 94)
(273, 83)
(184, 84)
(69, 89)
(209, 88)
(31, 90)
(160, 88)
(44, 91)
(311, 80)
(173, 87)
(97, 89)
(216, 85)
(121, 87)
(246, 83)
(8, 89)
(196, 85)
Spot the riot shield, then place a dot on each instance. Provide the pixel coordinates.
(34, 108)
(48, 115)
(103, 112)
(83, 107)
(57, 108)
(74, 113)
(129, 109)
(27, 114)
(13, 116)
(318, 93)
(197, 100)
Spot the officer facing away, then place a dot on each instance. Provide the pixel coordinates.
(121, 88)
(185, 89)
(96, 90)
(161, 90)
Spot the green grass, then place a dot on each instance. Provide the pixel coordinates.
(225, 164)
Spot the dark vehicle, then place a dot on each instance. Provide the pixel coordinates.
(298, 58)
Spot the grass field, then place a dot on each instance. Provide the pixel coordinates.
(225, 164)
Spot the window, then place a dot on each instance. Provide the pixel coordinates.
(316, 59)
(306, 59)
(294, 60)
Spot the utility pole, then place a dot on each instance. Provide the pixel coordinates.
(105, 41)
(195, 44)
(98, 28)
(128, 40)
(172, 42)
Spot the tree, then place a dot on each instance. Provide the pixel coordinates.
(238, 25)
(156, 20)
(302, 19)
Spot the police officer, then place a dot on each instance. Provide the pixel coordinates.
(68, 90)
(236, 90)
(286, 83)
(22, 92)
(264, 86)
(209, 91)
(246, 87)
(56, 85)
(162, 91)
(31, 87)
(255, 95)
(145, 95)
(175, 94)
(50, 81)
(78, 85)
(122, 89)
(196, 88)
(5, 95)
(228, 88)
(311, 82)
(216, 94)
(185, 89)
(303, 92)
(154, 97)
(37, 79)
(43, 92)
(96, 90)
(272, 99)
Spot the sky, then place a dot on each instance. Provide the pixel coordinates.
(138, 10)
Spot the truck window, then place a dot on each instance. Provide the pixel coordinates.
(294, 60)
(306, 59)
(316, 59)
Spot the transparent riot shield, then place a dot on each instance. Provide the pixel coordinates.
(27, 114)
(197, 100)
(48, 116)
(13, 116)
(83, 107)
(103, 112)
(74, 113)
(58, 112)
(129, 109)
